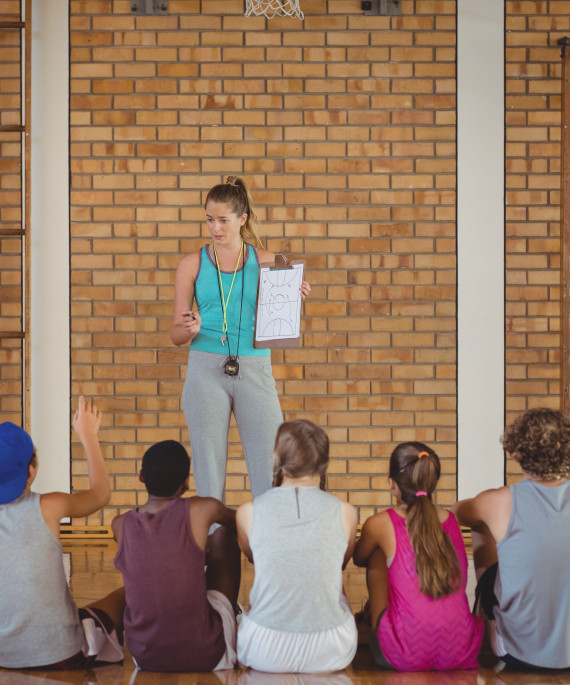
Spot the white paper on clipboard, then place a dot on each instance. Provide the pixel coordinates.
(279, 304)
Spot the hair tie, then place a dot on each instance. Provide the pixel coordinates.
(423, 454)
(419, 493)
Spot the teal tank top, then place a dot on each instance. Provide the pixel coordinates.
(207, 294)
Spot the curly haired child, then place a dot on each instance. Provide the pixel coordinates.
(521, 547)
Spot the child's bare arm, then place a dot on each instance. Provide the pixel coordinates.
(467, 512)
(117, 527)
(57, 505)
(491, 507)
(374, 533)
(243, 523)
(349, 519)
(207, 510)
(224, 515)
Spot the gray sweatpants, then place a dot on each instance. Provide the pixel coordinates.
(209, 397)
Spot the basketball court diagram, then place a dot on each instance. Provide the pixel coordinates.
(279, 303)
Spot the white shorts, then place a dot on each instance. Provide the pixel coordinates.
(222, 605)
(277, 651)
(99, 643)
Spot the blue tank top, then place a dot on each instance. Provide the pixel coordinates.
(207, 293)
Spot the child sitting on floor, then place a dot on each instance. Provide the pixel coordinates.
(521, 545)
(178, 617)
(40, 626)
(417, 574)
(300, 538)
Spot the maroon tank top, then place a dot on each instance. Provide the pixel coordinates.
(169, 624)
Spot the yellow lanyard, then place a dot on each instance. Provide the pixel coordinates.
(225, 302)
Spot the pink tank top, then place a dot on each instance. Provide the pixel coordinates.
(169, 624)
(418, 633)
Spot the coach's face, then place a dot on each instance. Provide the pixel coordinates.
(223, 224)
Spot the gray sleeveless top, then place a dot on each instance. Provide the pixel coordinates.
(298, 544)
(39, 624)
(533, 578)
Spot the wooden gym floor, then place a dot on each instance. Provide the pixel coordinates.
(92, 575)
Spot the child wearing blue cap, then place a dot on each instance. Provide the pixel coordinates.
(40, 626)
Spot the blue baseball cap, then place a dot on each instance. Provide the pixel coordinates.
(16, 451)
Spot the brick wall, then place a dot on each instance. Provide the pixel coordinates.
(344, 126)
(533, 87)
(11, 348)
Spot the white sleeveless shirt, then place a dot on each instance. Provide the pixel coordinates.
(298, 544)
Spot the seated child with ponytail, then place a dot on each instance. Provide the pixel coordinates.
(300, 538)
(417, 573)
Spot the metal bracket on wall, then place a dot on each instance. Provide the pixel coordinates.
(382, 7)
(149, 7)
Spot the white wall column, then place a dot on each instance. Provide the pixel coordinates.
(50, 294)
(481, 244)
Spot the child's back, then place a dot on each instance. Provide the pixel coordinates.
(520, 545)
(40, 625)
(298, 543)
(417, 574)
(165, 583)
(299, 538)
(178, 617)
(533, 581)
(417, 632)
(39, 618)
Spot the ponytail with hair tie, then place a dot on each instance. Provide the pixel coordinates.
(437, 564)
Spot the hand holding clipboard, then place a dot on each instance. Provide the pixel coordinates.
(279, 299)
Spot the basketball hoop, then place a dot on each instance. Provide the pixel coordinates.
(274, 8)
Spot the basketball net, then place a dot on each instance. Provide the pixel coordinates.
(274, 8)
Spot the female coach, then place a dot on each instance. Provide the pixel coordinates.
(225, 372)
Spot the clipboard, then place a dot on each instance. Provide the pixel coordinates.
(278, 307)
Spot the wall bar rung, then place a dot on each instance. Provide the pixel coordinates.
(12, 129)
(4, 232)
(12, 335)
